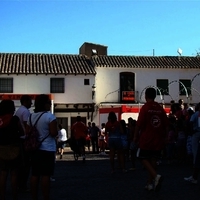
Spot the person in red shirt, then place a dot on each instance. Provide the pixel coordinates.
(150, 133)
(79, 132)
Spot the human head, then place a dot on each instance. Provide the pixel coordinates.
(180, 101)
(7, 106)
(26, 101)
(42, 103)
(89, 123)
(78, 118)
(93, 124)
(190, 112)
(172, 101)
(60, 126)
(150, 93)
(131, 121)
(123, 123)
(190, 108)
(112, 116)
(103, 125)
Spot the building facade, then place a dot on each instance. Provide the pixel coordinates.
(91, 86)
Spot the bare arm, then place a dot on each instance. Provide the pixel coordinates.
(25, 124)
(53, 130)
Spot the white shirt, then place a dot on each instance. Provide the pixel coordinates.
(49, 144)
(23, 113)
(62, 135)
(103, 133)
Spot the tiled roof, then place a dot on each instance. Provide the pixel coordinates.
(14, 63)
(170, 62)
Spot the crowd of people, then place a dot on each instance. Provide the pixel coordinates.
(21, 164)
(153, 136)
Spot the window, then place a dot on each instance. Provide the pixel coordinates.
(127, 87)
(86, 81)
(6, 85)
(162, 85)
(57, 85)
(184, 85)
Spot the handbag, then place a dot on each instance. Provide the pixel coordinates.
(9, 152)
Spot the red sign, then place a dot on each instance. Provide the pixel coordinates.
(18, 96)
(128, 95)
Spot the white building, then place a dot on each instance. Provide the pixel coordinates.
(93, 85)
(122, 80)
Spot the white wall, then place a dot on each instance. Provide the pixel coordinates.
(107, 82)
(75, 90)
(107, 86)
(125, 116)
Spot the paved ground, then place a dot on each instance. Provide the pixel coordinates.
(93, 181)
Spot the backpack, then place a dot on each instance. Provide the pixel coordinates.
(31, 142)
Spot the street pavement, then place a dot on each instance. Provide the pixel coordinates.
(92, 180)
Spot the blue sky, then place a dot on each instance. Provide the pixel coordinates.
(127, 27)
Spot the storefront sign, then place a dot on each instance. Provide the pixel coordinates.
(18, 96)
(128, 96)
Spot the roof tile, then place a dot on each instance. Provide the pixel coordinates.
(173, 62)
(13, 63)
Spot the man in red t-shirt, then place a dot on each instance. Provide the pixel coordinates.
(151, 129)
(79, 132)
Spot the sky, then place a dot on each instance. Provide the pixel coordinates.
(126, 27)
